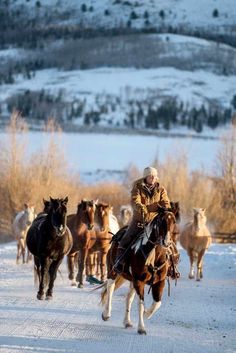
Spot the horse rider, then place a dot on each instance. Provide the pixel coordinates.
(147, 195)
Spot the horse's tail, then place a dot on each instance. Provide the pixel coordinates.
(118, 283)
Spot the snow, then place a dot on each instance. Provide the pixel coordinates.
(194, 87)
(187, 13)
(197, 317)
(105, 156)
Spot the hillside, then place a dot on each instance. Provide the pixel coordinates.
(156, 64)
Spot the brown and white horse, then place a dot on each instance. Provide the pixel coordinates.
(195, 238)
(148, 261)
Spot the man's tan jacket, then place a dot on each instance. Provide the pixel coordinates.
(146, 201)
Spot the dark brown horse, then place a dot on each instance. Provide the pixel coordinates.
(175, 207)
(49, 239)
(81, 226)
(149, 260)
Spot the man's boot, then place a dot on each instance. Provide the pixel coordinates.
(120, 260)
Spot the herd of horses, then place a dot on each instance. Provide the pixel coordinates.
(90, 238)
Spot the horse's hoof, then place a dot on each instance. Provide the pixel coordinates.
(73, 284)
(48, 297)
(80, 285)
(142, 332)
(198, 279)
(128, 325)
(190, 276)
(105, 318)
(40, 296)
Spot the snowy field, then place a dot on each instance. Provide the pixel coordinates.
(198, 316)
(99, 157)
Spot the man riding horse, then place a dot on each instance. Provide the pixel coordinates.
(146, 196)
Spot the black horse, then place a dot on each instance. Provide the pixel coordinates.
(49, 239)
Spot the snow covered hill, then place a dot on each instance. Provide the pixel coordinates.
(217, 16)
(118, 79)
(197, 317)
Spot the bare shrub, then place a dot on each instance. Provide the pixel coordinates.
(24, 180)
(224, 195)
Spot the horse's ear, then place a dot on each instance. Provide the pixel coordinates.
(203, 210)
(65, 200)
(96, 202)
(25, 205)
(51, 199)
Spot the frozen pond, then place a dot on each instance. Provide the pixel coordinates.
(95, 155)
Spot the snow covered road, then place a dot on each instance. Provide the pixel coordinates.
(197, 317)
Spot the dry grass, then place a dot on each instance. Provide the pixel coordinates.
(46, 174)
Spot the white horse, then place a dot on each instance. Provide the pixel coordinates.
(125, 215)
(195, 238)
(113, 222)
(20, 226)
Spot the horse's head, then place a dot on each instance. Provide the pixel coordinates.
(29, 214)
(102, 215)
(175, 208)
(165, 222)
(199, 218)
(58, 214)
(86, 210)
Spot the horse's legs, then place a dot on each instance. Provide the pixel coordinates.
(44, 264)
(139, 287)
(90, 264)
(103, 267)
(97, 263)
(200, 265)
(191, 258)
(18, 252)
(106, 314)
(129, 300)
(29, 256)
(52, 276)
(23, 246)
(82, 264)
(37, 277)
(71, 266)
(157, 290)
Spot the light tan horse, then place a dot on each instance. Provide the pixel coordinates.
(195, 238)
